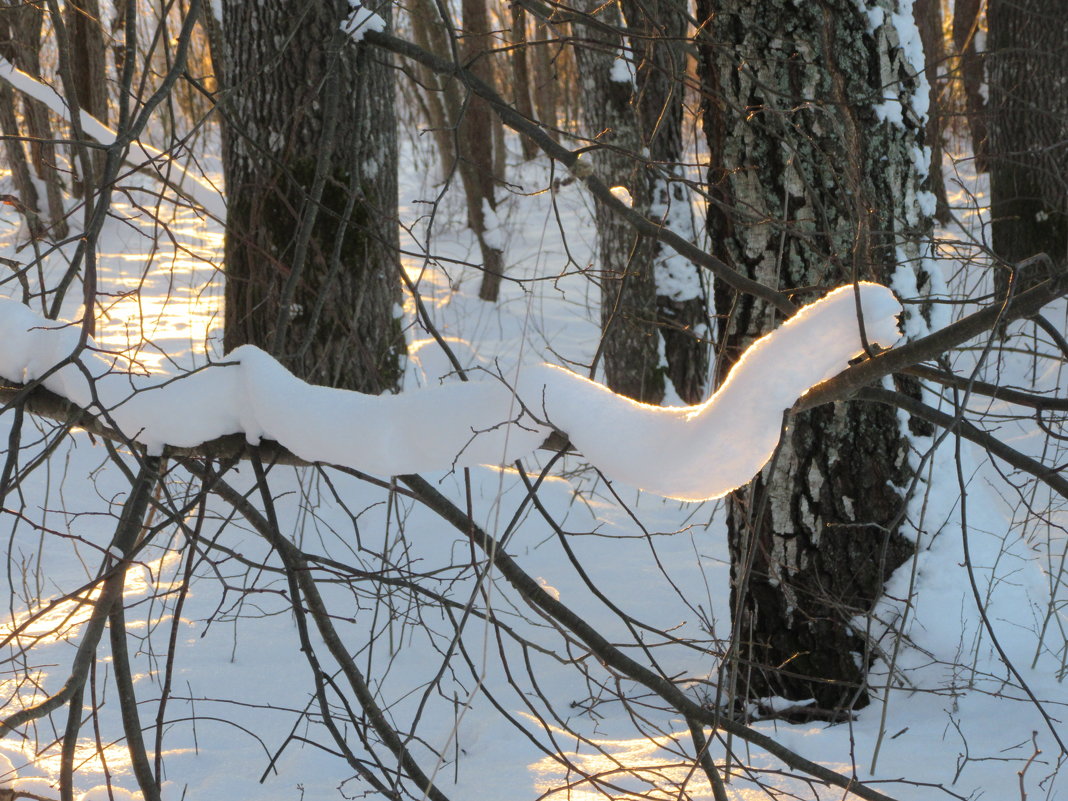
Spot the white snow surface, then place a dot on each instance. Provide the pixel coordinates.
(688, 453)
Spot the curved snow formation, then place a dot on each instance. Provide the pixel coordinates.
(691, 453)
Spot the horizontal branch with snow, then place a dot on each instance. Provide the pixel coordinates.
(690, 453)
(189, 185)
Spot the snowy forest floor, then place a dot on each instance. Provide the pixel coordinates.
(950, 723)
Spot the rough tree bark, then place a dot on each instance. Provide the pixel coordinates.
(310, 160)
(815, 178)
(1028, 106)
(629, 347)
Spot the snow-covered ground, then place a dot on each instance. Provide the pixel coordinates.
(514, 710)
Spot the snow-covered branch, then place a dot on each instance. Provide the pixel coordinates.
(689, 453)
(195, 188)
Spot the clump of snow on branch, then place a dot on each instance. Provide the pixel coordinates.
(688, 453)
(622, 69)
(198, 189)
(622, 194)
(361, 20)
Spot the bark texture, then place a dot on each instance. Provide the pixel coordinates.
(816, 143)
(310, 160)
(629, 338)
(1028, 103)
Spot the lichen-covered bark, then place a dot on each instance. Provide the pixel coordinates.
(338, 297)
(814, 128)
(629, 337)
(1027, 65)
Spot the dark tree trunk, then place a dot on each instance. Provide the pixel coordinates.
(967, 19)
(629, 346)
(476, 147)
(657, 32)
(310, 160)
(1028, 104)
(89, 68)
(523, 93)
(814, 183)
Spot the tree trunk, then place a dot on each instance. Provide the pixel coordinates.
(440, 95)
(476, 148)
(522, 90)
(967, 19)
(89, 67)
(629, 338)
(657, 30)
(812, 130)
(928, 16)
(27, 201)
(544, 56)
(22, 47)
(1028, 155)
(310, 158)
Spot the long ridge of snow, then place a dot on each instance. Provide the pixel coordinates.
(689, 453)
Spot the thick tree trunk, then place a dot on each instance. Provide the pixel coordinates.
(310, 159)
(1028, 104)
(657, 30)
(629, 338)
(813, 132)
